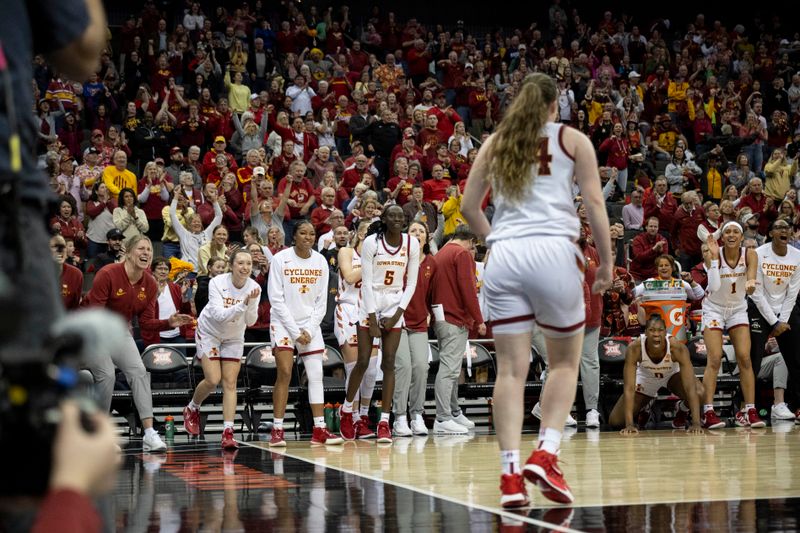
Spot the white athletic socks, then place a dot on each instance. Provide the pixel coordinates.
(319, 421)
(150, 431)
(194, 406)
(277, 423)
(347, 407)
(385, 417)
(364, 410)
(509, 460)
(708, 407)
(749, 406)
(227, 424)
(549, 440)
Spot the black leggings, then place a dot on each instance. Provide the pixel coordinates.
(788, 342)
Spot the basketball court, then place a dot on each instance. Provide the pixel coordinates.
(660, 480)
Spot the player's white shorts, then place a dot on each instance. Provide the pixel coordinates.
(215, 349)
(648, 383)
(280, 338)
(724, 318)
(386, 304)
(534, 279)
(344, 324)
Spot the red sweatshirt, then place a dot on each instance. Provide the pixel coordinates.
(684, 233)
(664, 212)
(113, 290)
(71, 286)
(454, 286)
(67, 511)
(593, 302)
(642, 264)
(416, 315)
(152, 336)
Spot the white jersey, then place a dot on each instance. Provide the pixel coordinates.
(731, 290)
(386, 269)
(547, 207)
(663, 368)
(226, 316)
(777, 283)
(350, 293)
(298, 291)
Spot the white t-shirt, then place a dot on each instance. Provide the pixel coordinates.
(777, 283)
(298, 290)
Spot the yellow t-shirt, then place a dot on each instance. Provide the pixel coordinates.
(117, 180)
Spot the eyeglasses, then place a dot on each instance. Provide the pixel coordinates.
(780, 226)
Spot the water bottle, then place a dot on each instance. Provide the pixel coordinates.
(169, 428)
(329, 416)
(336, 420)
(763, 413)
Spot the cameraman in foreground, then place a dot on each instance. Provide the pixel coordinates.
(84, 466)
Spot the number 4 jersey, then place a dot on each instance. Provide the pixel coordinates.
(546, 207)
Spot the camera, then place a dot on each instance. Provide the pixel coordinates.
(33, 385)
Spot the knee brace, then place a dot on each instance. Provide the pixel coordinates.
(368, 382)
(316, 392)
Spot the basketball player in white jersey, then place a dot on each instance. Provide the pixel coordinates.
(773, 308)
(389, 267)
(534, 271)
(232, 307)
(298, 294)
(731, 276)
(348, 301)
(653, 362)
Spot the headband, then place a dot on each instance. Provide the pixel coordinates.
(732, 223)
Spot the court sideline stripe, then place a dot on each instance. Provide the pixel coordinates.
(490, 510)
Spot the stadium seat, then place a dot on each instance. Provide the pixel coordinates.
(611, 351)
(482, 365)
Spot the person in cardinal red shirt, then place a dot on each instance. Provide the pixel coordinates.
(445, 114)
(321, 213)
(645, 247)
(407, 148)
(431, 135)
(301, 198)
(688, 217)
(753, 197)
(71, 277)
(659, 202)
(209, 160)
(129, 290)
(436, 187)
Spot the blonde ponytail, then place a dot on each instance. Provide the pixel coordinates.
(515, 147)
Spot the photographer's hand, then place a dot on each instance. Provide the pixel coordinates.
(84, 462)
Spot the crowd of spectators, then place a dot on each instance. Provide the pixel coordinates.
(208, 128)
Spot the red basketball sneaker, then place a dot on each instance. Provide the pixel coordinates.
(384, 432)
(276, 438)
(191, 420)
(512, 488)
(542, 469)
(681, 419)
(754, 419)
(712, 421)
(363, 431)
(347, 427)
(228, 443)
(321, 435)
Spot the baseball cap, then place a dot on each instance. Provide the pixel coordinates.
(115, 234)
(634, 74)
(219, 139)
(174, 150)
(96, 132)
(92, 150)
(259, 171)
(469, 65)
(159, 161)
(66, 158)
(408, 135)
(253, 96)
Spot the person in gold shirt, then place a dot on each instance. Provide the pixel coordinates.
(117, 176)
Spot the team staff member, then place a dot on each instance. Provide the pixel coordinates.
(389, 267)
(411, 364)
(128, 289)
(71, 277)
(652, 362)
(232, 306)
(731, 275)
(454, 289)
(532, 236)
(773, 308)
(298, 294)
